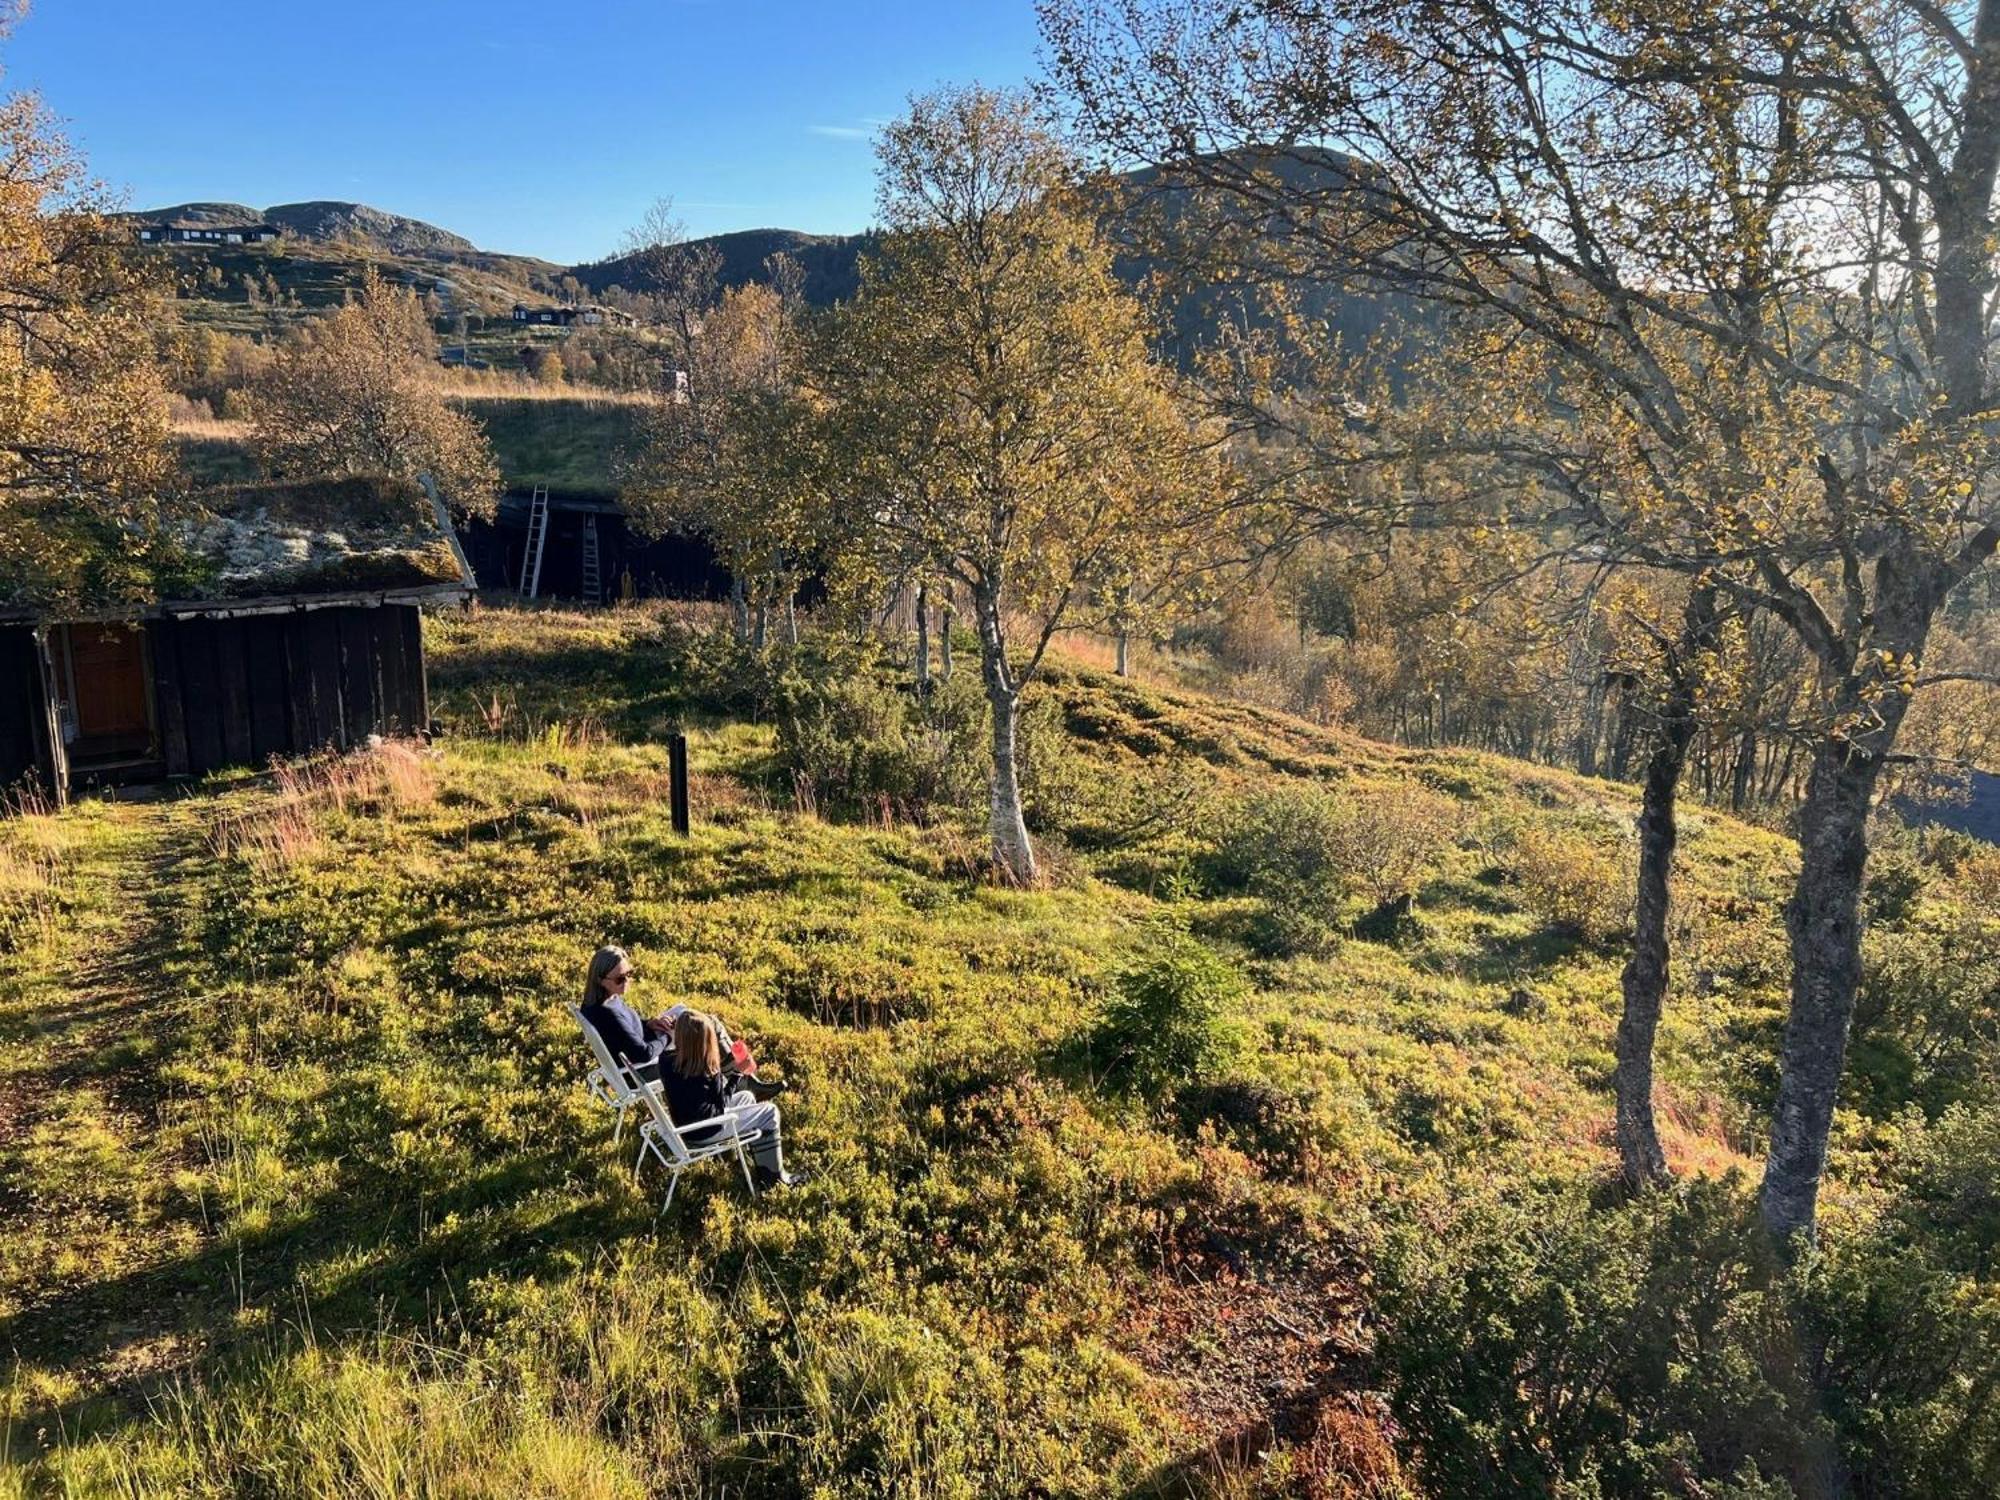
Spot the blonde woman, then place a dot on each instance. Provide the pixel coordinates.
(696, 1090)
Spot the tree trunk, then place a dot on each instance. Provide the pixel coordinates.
(739, 607)
(1824, 922)
(760, 625)
(791, 619)
(1823, 918)
(944, 636)
(923, 638)
(1745, 770)
(1124, 652)
(1591, 729)
(1646, 972)
(1013, 854)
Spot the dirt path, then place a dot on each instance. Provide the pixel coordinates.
(86, 1015)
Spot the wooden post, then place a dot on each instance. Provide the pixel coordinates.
(677, 775)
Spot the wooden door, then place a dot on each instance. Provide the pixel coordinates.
(110, 692)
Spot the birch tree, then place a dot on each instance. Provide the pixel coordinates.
(998, 418)
(85, 469)
(1735, 260)
(356, 391)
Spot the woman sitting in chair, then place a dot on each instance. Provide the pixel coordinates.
(696, 1090)
(639, 1043)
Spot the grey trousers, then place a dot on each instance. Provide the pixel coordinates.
(764, 1117)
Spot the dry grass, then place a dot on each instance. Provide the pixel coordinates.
(34, 866)
(211, 429)
(510, 385)
(279, 831)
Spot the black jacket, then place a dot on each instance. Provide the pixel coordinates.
(692, 1100)
(625, 1034)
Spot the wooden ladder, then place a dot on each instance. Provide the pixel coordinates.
(538, 542)
(593, 583)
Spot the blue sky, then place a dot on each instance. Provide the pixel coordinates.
(533, 128)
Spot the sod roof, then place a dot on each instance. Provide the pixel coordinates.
(318, 536)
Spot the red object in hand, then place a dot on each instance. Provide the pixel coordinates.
(739, 1054)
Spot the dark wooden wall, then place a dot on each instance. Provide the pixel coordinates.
(22, 698)
(236, 691)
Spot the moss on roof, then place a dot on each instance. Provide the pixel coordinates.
(315, 536)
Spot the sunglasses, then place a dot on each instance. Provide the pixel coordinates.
(621, 976)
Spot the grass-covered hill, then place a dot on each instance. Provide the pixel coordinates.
(573, 441)
(1192, 1172)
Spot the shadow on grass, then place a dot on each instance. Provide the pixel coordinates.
(1506, 956)
(402, 1267)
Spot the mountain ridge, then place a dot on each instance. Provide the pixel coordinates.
(325, 219)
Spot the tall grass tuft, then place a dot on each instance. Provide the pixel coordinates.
(284, 829)
(34, 866)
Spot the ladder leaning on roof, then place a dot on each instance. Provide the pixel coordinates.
(538, 541)
(593, 574)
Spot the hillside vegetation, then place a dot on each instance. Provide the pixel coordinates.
(1214, 1166)
(571, 441)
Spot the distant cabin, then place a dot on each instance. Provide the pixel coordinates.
(304, 633)
(567, 316)
(207, 234)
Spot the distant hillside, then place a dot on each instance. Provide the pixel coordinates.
(326, 220)
(829, 261)
(357, 221)
(1150, 219)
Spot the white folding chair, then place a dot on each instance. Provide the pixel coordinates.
(679, 1147)
(610, 1083)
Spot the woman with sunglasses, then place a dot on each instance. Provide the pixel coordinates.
(640, 1043)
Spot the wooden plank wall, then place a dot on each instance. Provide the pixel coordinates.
(21, 697)
(235, 692)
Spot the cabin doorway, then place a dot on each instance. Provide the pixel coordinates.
(108, 695)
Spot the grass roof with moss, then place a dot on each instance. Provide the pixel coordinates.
(315, 536)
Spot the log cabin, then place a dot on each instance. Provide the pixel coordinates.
(291, 622)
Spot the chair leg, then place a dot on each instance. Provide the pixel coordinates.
(744, 1162)
(619, 1129)
(673, 1181)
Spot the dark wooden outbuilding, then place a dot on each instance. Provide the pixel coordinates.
(310, 637)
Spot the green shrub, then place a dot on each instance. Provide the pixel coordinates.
(1291, 828)
(1304, 849)
(1538, 1346)
(1165, 1027)
(1908, 1342)
(1055, 782)
(1947, 1180)
(850, 742)
(1571, 882)
(1927, 1021)
(1285, 845)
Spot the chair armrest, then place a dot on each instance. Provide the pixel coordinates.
(706, 1130)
